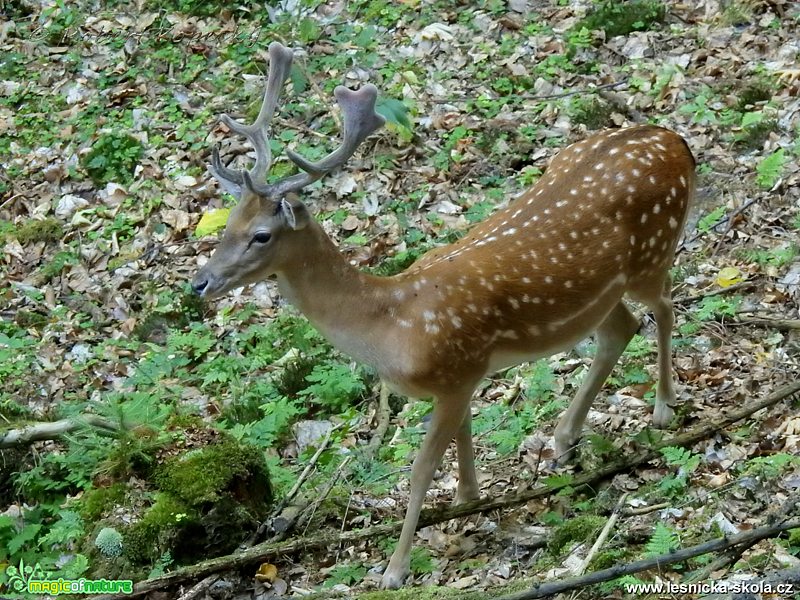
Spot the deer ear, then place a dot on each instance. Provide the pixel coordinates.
(294, 212)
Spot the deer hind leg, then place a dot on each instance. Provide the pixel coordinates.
(448, 421)
(613, 336)
(468, 488)
(659, 300)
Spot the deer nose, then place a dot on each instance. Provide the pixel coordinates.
(199, 285)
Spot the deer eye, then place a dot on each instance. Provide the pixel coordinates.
(261, 237)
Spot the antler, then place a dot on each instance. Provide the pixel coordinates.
(360, 120)
(280, 63)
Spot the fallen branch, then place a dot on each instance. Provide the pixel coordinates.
(736, 287)
(264, 551)
(556, 587)
(784, 324)
(732, 555)
(54, 429)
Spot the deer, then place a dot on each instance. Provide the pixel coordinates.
(552, 267)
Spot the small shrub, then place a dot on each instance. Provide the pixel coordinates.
(113, 157)
(618, 17)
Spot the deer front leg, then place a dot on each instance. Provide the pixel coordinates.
(613, 336)
(448, 420)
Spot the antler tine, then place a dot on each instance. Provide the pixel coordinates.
(360, 120)
(280, 63)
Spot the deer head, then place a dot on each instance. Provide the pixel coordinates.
(269, 219)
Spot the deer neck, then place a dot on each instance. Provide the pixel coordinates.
(347, 306)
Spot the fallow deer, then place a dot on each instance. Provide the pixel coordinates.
(533, 279)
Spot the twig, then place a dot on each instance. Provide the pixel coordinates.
(644, 510)
(9, 200)
(301, 516)
(311, 463)
(263, 551)
(785, 324)
(556, 587)
(601, 539)
(53, 429)
(736, 287)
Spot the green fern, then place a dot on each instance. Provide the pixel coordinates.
(770, 169)
(663, 541)
(681, 458)
(620, 584)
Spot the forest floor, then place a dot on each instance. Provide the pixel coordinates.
(108, 113)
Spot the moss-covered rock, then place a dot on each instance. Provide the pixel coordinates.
(204, 495)
(204, 477)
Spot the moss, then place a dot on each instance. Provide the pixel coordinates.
(166, 522)
(579, 529)
(608, 558)
(97, 502)
(35, 230)
(618, 17)
(206, 475)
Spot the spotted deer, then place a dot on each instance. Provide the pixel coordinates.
(533, 279)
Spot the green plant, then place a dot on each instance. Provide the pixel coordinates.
(663, 541)
(700, 108)
(113, 157)
(620, 17)
(772, 466)
(777, 257)
(755, 91)
(716, 307)
(685, 462)
(711, 220)
(755, 130)
(770, 169)
(334, 386)
(421, 561)
(347, 574)
(109, 542)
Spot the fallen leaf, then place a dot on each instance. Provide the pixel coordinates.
(212, 221)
